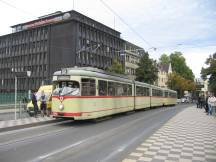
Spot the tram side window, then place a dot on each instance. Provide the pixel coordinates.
(102, 87)
(166, 94)
(119, 89)
(156, 92)
(88, 87)
(146, 91)
(172, 95)
(142, 91)
(129, 90)
(139, 91)
(125, 88)
(111, 88)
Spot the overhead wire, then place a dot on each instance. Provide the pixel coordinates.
(131, 28)
(24, 11)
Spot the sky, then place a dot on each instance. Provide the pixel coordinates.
(188, 26)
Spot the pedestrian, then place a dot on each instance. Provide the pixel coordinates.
(198, 102)
(34, 102)
(206, 103)
(213, 105)
(43, 103)
(209, 106)
(202, 101)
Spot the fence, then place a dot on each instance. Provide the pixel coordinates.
(8, 97)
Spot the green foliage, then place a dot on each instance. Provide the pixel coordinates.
(164, 59)
(180, 84)
(116, 67)
(182, 78)
(210, 72)
(147, 70)
(180, 67)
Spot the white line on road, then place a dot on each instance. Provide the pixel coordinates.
(97, 137)
(123, 147)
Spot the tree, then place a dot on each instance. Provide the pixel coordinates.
(164, 59)
(210, 72)
(180, 84)
(147, 70)
(179, 66)
(116, 67)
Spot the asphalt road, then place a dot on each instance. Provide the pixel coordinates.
(106, 141)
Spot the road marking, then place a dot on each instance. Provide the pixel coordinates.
(123, 147)
(61, 150)
(97, 137)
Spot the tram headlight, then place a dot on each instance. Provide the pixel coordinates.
(61, 107)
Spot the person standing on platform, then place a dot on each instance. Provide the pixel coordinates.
(43, 104)
(198, 102)
(202, 101)
(212, 107)
(34, 102)
(209, 105)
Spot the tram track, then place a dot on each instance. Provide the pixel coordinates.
(94, 140)
(58, 145)
(30, 138)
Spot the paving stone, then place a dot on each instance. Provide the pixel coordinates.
(190, 136)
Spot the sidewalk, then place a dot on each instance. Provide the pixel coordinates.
(190, 136)
(9, 110)
(24, 122)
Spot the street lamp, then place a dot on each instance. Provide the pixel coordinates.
(18, 74)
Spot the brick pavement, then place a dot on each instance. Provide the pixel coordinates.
(190, 136)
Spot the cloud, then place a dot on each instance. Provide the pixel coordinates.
(163, 23)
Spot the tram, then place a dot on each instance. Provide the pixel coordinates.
(90, 93)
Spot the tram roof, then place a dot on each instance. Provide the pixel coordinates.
(92, 72)
(95, 72)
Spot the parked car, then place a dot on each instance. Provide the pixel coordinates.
(184, 100)
(48, 93)
(178, 100)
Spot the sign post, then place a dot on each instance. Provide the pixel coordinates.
(18, 74)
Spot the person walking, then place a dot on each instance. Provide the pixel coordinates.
(34, 102)
(43, 104)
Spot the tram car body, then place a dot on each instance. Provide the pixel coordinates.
(90, 93)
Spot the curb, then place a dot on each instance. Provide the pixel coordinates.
(16, 127)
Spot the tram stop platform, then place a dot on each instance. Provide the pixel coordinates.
(190, 136)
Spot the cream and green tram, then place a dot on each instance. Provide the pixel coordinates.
(142, 95)
(89, 93)
(162, 96)
(157, 96)
(170, 97)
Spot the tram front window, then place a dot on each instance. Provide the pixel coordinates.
(69, 88)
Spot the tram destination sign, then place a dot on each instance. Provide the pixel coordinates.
(64, 77)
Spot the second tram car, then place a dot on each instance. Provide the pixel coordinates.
(90, 93)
